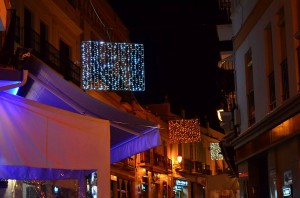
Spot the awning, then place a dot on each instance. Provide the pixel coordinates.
(129, 134)
(41, 142)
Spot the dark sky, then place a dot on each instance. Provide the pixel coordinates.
(181, 53)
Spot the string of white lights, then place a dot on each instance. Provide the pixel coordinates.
(89, 71)
(112, 66)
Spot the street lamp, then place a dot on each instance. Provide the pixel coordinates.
(179, 159)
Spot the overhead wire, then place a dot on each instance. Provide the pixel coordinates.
(95, 11)
(109, 37)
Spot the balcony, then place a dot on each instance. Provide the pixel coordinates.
(126, 164)
(48, 54)
(145, 159)
(169, 165)
(159, 162)
(194, 167)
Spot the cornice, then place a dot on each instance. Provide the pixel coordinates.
(288, 109)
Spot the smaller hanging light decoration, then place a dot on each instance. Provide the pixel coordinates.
(112, 66)
(184, 131)
(215, 151)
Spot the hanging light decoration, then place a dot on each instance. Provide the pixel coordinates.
(215, 151)
(112, 66)
(184, 131)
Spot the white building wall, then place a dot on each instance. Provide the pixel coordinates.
(240, 12)
(241, 95)
(255, 41)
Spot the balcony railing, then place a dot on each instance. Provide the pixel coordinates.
(195, 167)
(129, 163)
(159, 160)
(169, 164)
(50, 55)
(145, 157)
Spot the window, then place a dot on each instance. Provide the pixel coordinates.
(250, 88)
(44, 45)
(270, 67)
(64, 54)
(27, 28)
(283, 55)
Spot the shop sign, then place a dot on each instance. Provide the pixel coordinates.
(180, 182)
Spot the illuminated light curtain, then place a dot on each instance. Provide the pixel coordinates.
(112, 66)
(215, 151)
(184, 131)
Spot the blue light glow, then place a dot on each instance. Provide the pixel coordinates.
(13, 91)
(55, 189)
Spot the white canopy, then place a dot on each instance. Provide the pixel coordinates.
(129, 134)
(34, 136)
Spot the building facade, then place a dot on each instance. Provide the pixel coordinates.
(194, 169)
(266, 58)
(51, 32)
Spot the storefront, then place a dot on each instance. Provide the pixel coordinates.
(57, 126)
(181, 188)
(261, 154)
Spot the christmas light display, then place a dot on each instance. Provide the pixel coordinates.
(215, 151)
(184, 131)
(112, 66)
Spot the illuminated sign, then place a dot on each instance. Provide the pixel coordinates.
(287, 191)
(181, 182)
(144, 187)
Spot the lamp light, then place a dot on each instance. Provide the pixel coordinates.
(219, 112)
(179, 159)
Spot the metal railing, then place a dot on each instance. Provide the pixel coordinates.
(195, 167)
(159, 160)
(50, 55)
(145, 157)
(129, 162)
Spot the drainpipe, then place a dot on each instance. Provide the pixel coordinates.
(11, 86)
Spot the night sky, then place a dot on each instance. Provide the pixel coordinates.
(181, 53)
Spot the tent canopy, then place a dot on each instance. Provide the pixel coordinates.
(49, 135)
(129, 134)
(38, 141)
